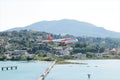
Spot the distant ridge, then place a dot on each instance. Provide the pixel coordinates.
(73, 27)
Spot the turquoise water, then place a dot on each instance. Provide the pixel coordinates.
(25, 70)
(99, 70)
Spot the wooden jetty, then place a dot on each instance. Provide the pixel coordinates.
(42, 77)
(9, 68)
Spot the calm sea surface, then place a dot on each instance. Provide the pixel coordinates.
(25, 70)
(98, 69)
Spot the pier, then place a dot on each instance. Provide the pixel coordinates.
(9, 68)
(42, 77)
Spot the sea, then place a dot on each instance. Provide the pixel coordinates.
(97, 69)
(31, 70)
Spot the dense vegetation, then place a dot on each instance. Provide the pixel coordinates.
(27, 40)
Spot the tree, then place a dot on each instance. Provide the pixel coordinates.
(23, 57)
(41, 53)
(90, 55)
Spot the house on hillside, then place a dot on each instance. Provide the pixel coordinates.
(66, 52)
(16, 52)
(49, 54)
(63, 50)
(113, 51)
(80, 55)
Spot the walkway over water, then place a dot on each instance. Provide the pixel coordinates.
(43, 76)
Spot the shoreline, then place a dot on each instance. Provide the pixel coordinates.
(66, 61)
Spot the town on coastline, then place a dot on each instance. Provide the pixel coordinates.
(23, 45)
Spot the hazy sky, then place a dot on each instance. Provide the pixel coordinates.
(19, 13)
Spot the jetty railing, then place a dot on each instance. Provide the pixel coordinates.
(9, 68)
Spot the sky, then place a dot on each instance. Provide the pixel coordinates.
(20, 13)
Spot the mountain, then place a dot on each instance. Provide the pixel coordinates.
(73, 27)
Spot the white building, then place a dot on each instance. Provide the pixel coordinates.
(79, 55)
(16, 52)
